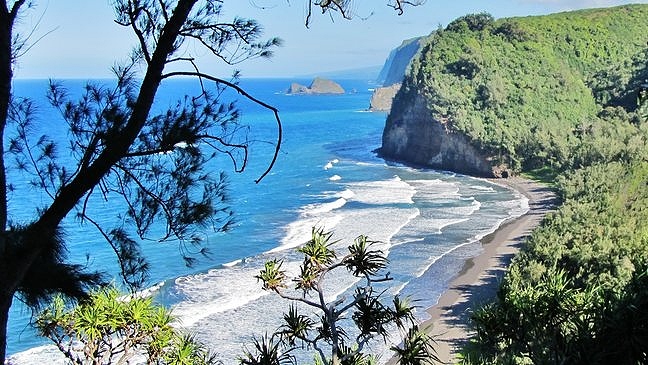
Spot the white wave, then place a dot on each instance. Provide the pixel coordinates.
(361, 163)
(463, 210)
(435, 190)
(406, 241)
(47, 354)
(329, 165)
(148, 292)
(335, 178)
(482, 188)
(315, 209)
(346, 194)
(233, 263)
(392, 191)
(519, 207)
(436, 225)
(216, 291)
(299, 232)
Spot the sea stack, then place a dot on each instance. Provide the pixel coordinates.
(318, 86)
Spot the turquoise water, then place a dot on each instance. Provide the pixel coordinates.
(326, 176)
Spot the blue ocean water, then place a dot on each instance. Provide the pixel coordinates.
(327, 175)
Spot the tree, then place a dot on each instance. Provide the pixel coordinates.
(111, 328)
(370, 315)
(153, 162)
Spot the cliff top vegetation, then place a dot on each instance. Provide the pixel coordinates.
(532, 91)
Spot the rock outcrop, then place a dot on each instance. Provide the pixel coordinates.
(382, 97)
(318, 86)
(411, 134)
(296, 88)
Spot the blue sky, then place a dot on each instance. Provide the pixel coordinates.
(80, 39)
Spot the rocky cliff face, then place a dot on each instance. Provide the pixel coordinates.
(318, 86)
(382, 97)
(392, 74)
(397, 62)
(411, 135)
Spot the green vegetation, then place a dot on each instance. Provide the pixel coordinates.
(335, 342)
(110, 328)
(561, 98)
(530, 90)
(578, 292)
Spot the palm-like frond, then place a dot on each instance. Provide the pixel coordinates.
(363, 261)
(296, 326)
(350, 356)
(318, 250)
(403, 312)
(417, 349)
(371, 316)
(308, 276)
(272, 276)
(267, 351)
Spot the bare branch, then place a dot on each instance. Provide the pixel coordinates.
(13, 13)
(249, 97)
(298, 299)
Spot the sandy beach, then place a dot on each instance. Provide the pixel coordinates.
(480, 276)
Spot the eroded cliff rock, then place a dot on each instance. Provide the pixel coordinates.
(412, 135)
(382, 97)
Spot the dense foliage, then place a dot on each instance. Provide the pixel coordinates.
(567, 94)
(578, 291)
(110, 328)
(527, 90)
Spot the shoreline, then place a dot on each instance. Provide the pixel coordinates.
(479, 278)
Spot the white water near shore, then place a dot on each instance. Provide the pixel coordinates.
(429, 222)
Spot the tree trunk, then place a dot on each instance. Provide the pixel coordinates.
(13, 270)
(335, 360)
(5, 304)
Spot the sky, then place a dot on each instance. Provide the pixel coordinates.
(79, 38)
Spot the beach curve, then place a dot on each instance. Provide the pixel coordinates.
(480, 276)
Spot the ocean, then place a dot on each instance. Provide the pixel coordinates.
(327, 175)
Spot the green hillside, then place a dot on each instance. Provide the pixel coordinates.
(529, 90)
(565, 95)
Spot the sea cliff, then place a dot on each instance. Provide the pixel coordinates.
(382, 98)
(412, 135)
(496, 97)
(398, 61)
(392, 73)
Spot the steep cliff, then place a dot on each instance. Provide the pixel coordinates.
(392, 73)
(398, 60)
(411, 134)
(382, 97)
(496, 97)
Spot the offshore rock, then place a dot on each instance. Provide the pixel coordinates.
(318, 86)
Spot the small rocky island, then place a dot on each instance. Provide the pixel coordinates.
(318, 86)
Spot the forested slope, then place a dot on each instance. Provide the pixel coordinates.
(527, 91)
(563, 97)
